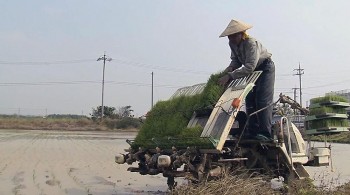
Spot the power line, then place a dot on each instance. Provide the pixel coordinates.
(143, 65)
(14, 84)
(46, 83)
(122, 62)
(44, 63)
(326, 85)
(125, 62)
(285, 75)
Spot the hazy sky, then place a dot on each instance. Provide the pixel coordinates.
(49, 49)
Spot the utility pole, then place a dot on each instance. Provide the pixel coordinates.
(300, 72)
(295, 93)
(152, 92)
(295, 97)
(104, 58)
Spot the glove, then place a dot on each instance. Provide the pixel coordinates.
(224, 80)
(229, 69)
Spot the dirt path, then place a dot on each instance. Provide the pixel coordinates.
(60, 162)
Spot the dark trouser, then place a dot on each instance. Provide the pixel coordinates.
(260, 97)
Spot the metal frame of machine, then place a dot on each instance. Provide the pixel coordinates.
(283, 156)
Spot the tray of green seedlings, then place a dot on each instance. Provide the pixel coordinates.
(328, 123)
(166, 124)
(327, 131)
(326, 112)
(326, 126)
(329, 100)
(189, 137)
(327, 115)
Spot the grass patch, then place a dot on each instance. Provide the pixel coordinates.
(244, 184)
(123, 123)
(65, 123)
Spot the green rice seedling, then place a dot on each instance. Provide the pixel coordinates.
(331, 122)
(328, 98)
(327, 109)
(170, 118)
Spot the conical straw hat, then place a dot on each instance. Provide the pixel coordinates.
(235, 26)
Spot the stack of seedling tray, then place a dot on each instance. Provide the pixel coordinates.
(327, 115)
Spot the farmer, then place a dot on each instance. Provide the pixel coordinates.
(248, 55)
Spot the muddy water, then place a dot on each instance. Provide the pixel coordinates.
(61, 162)
(339, 170)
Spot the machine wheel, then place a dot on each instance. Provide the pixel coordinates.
(257, 160)
(171, 183)
(252, 159)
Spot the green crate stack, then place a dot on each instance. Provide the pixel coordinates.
(327, 115)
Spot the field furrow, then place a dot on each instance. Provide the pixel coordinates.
(65, 162)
